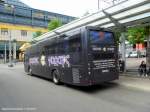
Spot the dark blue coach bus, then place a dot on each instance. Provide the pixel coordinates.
(84, 56)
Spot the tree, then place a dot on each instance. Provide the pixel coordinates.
(136, 35)
(54, 23)
(37, 33)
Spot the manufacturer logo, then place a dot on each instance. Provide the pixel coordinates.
(104, 49)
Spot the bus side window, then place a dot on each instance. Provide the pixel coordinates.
(65, 46)
(51, 49)
(60, 48)
(75, 45)
(42, 50)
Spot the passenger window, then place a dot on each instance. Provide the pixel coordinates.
(75, 45)
(60, 48)
(51, 49)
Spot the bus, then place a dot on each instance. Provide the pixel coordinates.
(84, 56)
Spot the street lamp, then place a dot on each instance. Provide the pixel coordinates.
(5, 52)
(10, 44)
(14, 49)
(10, 51)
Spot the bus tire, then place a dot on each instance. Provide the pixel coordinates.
(56, 77)
(30, 71)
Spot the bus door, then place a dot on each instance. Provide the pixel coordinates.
(102, 56)
(42, 67)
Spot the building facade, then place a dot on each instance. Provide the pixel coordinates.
(19, 22)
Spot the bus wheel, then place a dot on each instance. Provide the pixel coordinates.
(56, 78)
(30, 71)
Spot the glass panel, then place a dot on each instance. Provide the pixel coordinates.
(80, 22)
(135, 18)
(132, 11)
(100, 22)
(124, 5)
(108, 25)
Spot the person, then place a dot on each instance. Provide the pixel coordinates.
(142, 68)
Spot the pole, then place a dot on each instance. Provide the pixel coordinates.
(147, 28)
(14, 51)
(10, 51)
(5, 55)
(123, 49)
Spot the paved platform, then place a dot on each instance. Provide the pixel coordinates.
(142, 83)
(133, 63)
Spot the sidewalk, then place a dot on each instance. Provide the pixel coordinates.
(17, 65)
(130, 74)
(135, 82)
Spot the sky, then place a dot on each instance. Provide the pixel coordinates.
(76, 8)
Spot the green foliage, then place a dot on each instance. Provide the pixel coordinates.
(136, 35)
(53, 24)
(36, 34)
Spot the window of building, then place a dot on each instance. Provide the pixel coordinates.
(23, 33)
(4, 31)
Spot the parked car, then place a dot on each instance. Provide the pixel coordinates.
(133, 54)
(143, 54)
(127, 55)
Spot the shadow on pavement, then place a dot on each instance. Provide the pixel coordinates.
(87, 89)
(94, 88)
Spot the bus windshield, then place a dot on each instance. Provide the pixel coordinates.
(102, 37)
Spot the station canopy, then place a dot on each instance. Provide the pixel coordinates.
(127, 14)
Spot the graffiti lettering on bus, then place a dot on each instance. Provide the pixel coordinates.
(34, 61)
(59, 60)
